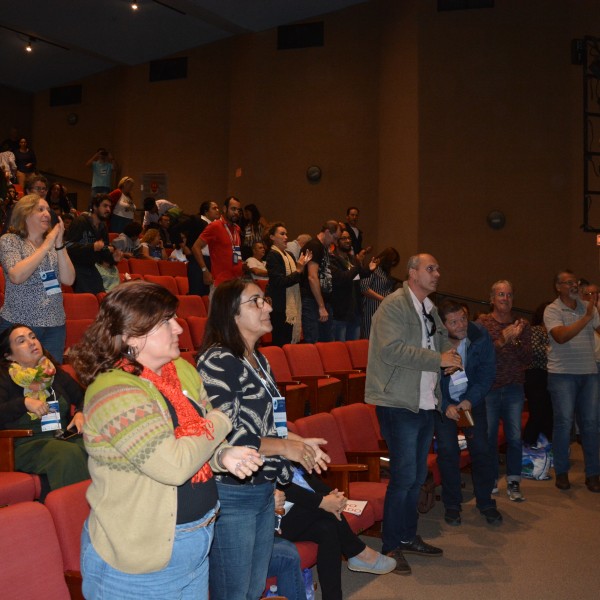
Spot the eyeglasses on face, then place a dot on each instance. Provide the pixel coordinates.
(568, 282)
(259, 301)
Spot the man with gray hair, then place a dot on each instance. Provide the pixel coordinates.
(408, 346)
(572, 377)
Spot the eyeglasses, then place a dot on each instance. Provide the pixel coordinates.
(39, 189)
(568, 282)
(259, 301)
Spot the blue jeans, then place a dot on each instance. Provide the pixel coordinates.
(575, 395)
(184, 578)
(244, 531)
(313, 329)
(51, 338)
(346, 330)
(506, 403)
(408, 436)
(482, 462)
(285, 565)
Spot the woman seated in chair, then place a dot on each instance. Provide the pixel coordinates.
(314, 513)
(38, 395)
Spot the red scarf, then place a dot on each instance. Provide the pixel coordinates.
(190, 422)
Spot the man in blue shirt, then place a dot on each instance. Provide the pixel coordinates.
(466, 390)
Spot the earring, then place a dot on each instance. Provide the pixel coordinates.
(131, 352)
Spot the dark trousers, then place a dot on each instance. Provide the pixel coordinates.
(540, 406)
(482, 461)
(282, 331)
(334, 539)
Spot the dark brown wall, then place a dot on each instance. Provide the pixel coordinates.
(425, 120)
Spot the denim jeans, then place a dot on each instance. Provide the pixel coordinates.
(184, 578)
(313, 329)
(51, 338)
(482, 462)
(506, 403)
(408, 436)
(575, 395)
(244, 531)
(285, 565)
(346, 330)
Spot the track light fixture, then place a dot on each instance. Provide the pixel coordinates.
(134, 6)
(29, 47)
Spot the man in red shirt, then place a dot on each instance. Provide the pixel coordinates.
(222, 237)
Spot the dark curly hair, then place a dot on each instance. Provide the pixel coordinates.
(132, 309)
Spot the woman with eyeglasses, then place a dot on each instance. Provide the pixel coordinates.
(37, 394)
(155, 444)
(35, 264)
(238, 380)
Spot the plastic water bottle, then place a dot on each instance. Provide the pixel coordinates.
(272, 591)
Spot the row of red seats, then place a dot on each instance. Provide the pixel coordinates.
(57, 524)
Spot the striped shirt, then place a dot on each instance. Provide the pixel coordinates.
(576, 356)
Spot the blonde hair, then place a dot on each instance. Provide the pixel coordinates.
(151, 236)
(22, 210)
(123, 181)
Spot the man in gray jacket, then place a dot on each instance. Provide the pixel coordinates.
(408, 346)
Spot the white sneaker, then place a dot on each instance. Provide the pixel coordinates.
(513, 489)
(495, 488)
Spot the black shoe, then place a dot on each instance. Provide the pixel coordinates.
(593, 483)
(402, 567)
(418, 546)
(492, 515)
(452, 517)
(562, 481)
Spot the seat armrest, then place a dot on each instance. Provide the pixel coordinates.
(7, 446)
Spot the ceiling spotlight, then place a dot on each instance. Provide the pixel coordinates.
(134, 6)
(29, 47)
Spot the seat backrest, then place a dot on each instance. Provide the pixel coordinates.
(278, 361)
(183, 284)
(374, 420)
(144, 266)
(303, 359)
(123, 266)
(356, 427)
(165, 280)
(359, 353)
(28, 537)
(190, 306)
(75, 330)
(69, 509)
(80, 306)
(172, 267)
(197, 327)
(334, 356)
(323, 425)
(185, 337)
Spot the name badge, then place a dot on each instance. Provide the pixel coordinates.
(280, 416)
(237, 255)
(51, 421)
(50, 282)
